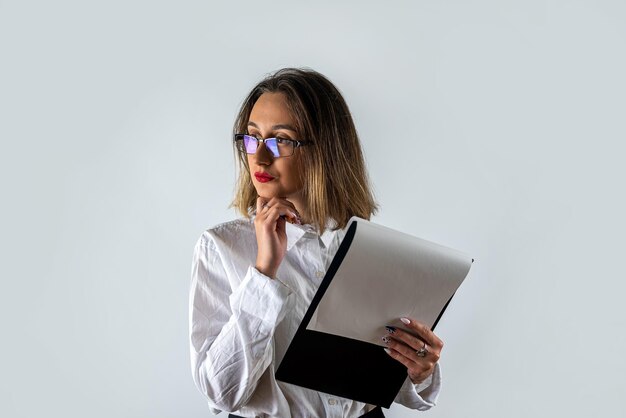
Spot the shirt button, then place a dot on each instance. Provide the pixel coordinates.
(332, 401)
(319, 274)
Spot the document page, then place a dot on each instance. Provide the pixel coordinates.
(387, 274)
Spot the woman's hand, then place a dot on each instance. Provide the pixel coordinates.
(271, 237)
(419, 352)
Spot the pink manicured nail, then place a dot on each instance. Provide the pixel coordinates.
(405, 320)
(388, 351)
(298, 220)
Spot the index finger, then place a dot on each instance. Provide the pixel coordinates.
(423, 332)
(260, 202)
(283, 201)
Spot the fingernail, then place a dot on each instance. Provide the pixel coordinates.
(385, 340)
(405, 320)
(388, 351)
(298, 221)
(390, 329)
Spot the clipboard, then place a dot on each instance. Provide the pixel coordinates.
(336, 355)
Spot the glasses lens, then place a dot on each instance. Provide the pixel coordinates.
(272, 145)
(250, 144)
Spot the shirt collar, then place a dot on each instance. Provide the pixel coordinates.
(295, 232)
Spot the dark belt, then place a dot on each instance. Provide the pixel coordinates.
(374, 413)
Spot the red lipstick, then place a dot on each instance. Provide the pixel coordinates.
(263, 177)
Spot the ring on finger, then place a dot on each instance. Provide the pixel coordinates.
(422, 351)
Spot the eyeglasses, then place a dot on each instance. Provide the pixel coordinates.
(279, 147)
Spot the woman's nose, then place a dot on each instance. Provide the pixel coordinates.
(263, 155)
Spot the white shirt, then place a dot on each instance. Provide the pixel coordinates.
(241, 323)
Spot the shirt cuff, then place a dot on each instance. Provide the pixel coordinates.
(421, 396)
(261, 297)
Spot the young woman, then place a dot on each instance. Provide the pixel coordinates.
(302, 176)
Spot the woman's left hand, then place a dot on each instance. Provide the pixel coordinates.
(418, 352)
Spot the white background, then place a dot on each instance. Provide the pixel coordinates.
(494, 127)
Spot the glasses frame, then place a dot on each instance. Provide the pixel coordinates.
(241, 137)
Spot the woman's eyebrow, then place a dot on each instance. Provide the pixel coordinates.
(275, 127)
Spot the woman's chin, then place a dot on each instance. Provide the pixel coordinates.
(268, 192)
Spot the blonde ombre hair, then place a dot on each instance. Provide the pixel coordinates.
(336, 183)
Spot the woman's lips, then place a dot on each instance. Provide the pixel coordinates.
(263, 177)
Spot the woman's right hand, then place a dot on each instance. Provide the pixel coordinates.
(271, 236)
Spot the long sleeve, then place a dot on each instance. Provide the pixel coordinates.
(232, 323)
(422, 396)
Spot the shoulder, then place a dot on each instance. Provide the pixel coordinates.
(231, 245)
(237, 230)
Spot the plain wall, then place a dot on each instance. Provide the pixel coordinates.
(494, 127)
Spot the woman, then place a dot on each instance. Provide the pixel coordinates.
(302, 176)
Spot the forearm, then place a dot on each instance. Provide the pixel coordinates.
(227, 368)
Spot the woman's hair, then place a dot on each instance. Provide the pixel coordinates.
(335, 181)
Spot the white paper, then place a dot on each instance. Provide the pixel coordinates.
(385, 275)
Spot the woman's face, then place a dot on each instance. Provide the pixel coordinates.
(270, 118)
